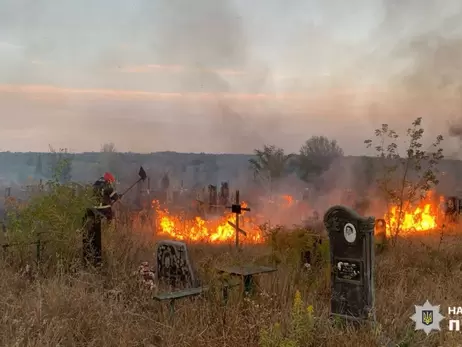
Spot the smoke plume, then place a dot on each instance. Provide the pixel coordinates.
(225, 76)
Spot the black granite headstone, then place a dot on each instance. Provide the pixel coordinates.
(173, 265)
(351, 240)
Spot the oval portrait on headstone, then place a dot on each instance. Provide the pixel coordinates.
(349, 231)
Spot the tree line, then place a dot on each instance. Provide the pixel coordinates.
(315, 157)
(402, 173)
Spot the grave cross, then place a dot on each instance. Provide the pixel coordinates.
(237, 209)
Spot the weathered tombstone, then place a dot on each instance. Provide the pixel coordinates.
(380, 231)
(224, 194)
(173, 265)
(351, 240)
(213, 199)
(307, 256)
(452, 209)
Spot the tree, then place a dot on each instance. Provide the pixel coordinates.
(60, 165)
(404, 180)
(316, 157)
(108, 148)
(109, 159)
(270, 164)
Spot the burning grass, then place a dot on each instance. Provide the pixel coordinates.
(67, 306)
(216, 230)
(70, 307)
(424, 216)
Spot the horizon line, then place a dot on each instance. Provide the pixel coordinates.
(188, 153)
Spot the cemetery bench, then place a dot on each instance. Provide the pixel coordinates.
(247, 273)
(174, 267)
(226, 284)
(179, 294)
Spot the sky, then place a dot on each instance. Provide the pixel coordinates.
(226, 76)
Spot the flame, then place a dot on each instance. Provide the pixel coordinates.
(199, 230)
(289, 199)
(423, 217)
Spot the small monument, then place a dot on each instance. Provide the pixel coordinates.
(352, 257)
(173, 265)
(380, 231)
(452, 209)
(224, 194)
(213, 199)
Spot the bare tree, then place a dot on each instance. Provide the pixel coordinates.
(108, 148)
(109, 159)
(406, 179)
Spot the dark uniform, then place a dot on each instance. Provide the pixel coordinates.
(106, 197)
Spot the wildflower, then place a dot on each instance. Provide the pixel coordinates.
(297, 301)
(310, 309)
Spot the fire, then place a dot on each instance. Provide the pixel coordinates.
(420, 218)
(289, 199)
(199, 230)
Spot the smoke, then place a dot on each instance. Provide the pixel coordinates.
(327, 67)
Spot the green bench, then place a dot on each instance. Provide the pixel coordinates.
(171, 297)
(246, 272)
(174, 267)
(179, 294)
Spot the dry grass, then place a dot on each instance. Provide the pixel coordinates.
(65, 306)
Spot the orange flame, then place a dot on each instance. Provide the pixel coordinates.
(420, 218)
(200, 230)
(289, 199)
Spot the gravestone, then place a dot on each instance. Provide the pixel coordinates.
(224, 194)
(173, 265)
(380, 231)
(213, 199)
(351, 239)
(452, 209)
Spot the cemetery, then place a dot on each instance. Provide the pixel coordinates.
(228, 266)
(336, 287)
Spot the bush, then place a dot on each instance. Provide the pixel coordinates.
(287, 245)
(55, 218)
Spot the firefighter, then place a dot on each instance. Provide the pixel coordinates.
(106, 196)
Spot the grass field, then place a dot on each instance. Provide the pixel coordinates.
(66, 306)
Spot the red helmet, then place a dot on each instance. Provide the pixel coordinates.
(108, 177)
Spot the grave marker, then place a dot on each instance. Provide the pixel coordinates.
(173, 265)
(352, 259)
(380, 232)
(237, 209)
(453, 207)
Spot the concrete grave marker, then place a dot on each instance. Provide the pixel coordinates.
(380, 232)
(173, 265)
(352, 259)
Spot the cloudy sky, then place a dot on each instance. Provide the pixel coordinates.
(224, 75)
